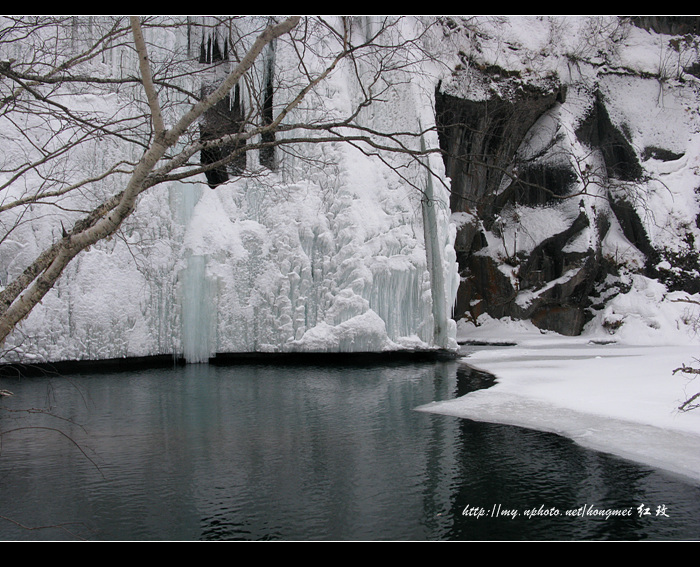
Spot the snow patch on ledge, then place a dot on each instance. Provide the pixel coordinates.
(366, 332)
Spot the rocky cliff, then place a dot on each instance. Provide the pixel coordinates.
(573, 164)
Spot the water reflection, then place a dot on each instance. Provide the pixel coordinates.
(547, 474)
(262, 452)
(470, 380)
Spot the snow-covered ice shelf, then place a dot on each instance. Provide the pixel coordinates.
(617, 398)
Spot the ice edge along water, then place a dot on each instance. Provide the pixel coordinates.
(615, 398)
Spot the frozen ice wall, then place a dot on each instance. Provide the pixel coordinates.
(326, 253)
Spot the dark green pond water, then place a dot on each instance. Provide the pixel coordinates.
(256, 452)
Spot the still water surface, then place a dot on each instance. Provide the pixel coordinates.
(263, 452)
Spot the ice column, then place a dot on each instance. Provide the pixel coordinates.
(197, 314)
(433, 252)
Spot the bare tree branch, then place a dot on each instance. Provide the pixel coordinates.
(40, 277)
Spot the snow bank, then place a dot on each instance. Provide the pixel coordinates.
(601, 390)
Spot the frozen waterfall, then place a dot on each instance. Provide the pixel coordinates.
(198, 314)
(291, 258)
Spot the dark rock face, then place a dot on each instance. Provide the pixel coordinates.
(485, 288)
(553, 284)
(226, 117)
(548, 261)
(598, 132)
(537, 185)
(480, 139)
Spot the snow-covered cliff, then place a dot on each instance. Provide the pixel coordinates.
(573, 147)
(572, 151)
